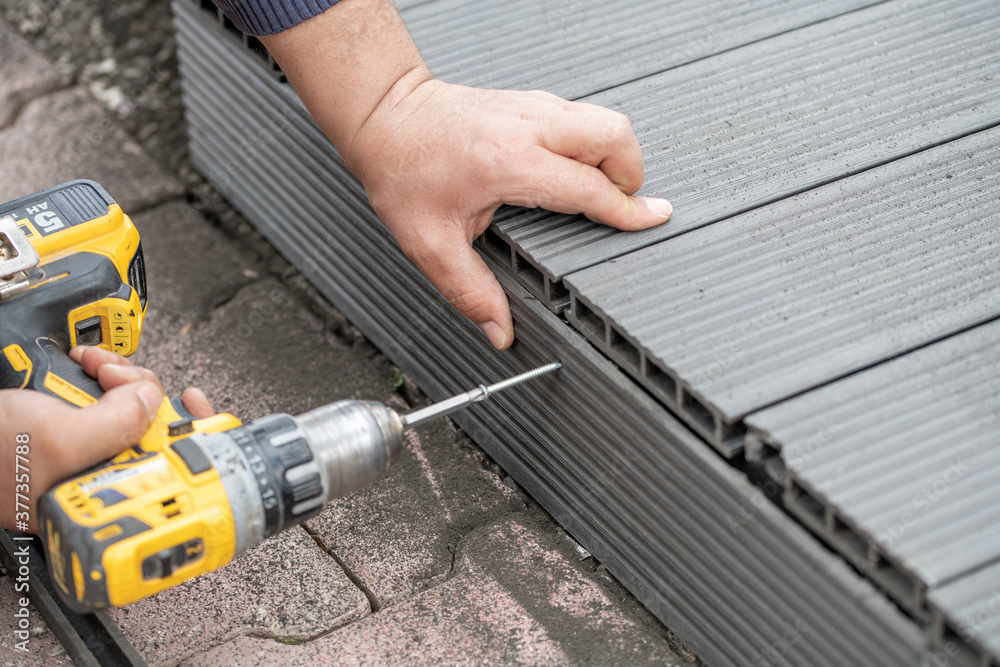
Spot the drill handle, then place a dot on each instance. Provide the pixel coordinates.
(43, 364)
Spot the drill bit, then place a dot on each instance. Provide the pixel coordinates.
(480, 393)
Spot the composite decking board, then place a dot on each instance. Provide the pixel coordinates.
(738, 130)
(614, 467)
(769, 304)
(906, 455)
(575, 48)
(969, 610)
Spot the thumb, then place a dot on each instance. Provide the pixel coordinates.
(463, 278)
(117, 421)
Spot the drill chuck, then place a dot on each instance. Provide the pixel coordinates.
(355, 442)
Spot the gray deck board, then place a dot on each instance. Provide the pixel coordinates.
(969, 616)
(902, 461)
(575, 48)
(735, 131)
(748, 312)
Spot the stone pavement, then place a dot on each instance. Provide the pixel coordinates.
(443, 561)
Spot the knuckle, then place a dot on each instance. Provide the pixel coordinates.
(546, 96)
(620, 125)
(469, 301)
(614, 128)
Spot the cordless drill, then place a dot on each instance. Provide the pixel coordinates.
(192, 494)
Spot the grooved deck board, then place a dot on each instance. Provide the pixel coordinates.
(772, 303)
(906, 455)
(574, 48)
(736, 131)
(969, 615)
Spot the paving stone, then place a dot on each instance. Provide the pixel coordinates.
(399, 535)
(591, 616)
(67, 135)
(24, 73)
(191, 267)
(43, 647)
(517, 597)
(286, 588)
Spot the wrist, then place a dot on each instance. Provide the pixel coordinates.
(375, 135)
(345, 61)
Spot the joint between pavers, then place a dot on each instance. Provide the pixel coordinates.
(21, 104)
(451, 566)
(355, 579)
(145, 208)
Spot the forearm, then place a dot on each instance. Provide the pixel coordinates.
(348, 62)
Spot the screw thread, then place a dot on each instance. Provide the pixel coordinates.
(523, 377)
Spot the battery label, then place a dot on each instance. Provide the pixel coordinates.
(41, 216)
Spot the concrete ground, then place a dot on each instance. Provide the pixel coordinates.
(444, 561)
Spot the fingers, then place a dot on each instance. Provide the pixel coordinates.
(597, 137)
(591, 136)
(113, 370)
(197, 403)
(460, 274)
(110, 369)
(112, 375)
(102, 430)
(92, 358)
(570, 186)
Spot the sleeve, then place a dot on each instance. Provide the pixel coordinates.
(266, 17)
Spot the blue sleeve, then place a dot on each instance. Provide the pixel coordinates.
(266, 17)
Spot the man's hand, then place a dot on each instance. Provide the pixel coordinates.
(64, 440)
(438, 163)
(437, 160)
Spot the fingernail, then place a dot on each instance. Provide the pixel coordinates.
(151, 398)
(495, 334)
(76, 354)
(659, 207)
